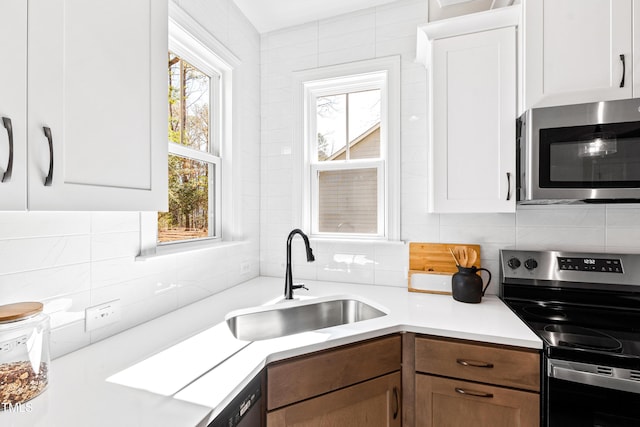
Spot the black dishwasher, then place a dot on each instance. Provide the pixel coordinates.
(246, 409)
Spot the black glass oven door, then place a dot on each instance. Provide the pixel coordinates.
(571, 404)
(592, 156)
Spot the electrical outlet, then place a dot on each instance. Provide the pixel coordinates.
(245, 267)
(102, 315)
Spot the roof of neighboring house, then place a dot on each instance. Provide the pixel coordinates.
(358, 139)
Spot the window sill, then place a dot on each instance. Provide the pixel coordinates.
(186, 247)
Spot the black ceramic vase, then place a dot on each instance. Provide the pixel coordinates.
(466, 285)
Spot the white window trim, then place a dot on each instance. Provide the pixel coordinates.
(183, 30)
(308, 83)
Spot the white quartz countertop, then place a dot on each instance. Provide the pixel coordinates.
(183, 368)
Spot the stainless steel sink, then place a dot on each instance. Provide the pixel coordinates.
(301, 316)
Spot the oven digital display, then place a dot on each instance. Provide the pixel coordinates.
(598, 265)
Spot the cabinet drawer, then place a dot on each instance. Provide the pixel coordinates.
(479, 362)
(300, 378)
(450, 402)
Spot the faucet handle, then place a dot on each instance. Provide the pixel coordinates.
(299, 286)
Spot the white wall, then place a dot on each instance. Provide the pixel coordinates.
(376, 32)
(82, 259)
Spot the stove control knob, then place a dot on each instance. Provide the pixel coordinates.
(513, 263)
(530, 264)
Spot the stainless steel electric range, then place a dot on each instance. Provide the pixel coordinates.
(586, 309)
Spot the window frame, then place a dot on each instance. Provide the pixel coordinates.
(380, 73)
(186, 35)
(212, 156)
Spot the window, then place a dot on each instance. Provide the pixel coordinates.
(199, 88)
(351, 150)
(194, 163)
(347, 167)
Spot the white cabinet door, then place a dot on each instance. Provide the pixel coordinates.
(473, 110)
(97, 81)
(573, 51)
(13, 105)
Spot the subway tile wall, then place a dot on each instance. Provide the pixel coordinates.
(74, 260)
(370, 33)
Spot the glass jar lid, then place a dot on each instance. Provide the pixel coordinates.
(20, 310)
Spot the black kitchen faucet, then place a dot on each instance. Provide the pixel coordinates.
(289, 287)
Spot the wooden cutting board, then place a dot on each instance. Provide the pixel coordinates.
(434, 258)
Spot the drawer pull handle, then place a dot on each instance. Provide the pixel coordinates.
(474, 363)
(396, 398)
(473, 393)
(6, 177)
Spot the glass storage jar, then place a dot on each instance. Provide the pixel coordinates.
(24, 353)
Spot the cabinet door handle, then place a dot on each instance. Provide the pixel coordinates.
(6, 177)
(396, 398)
(49, 179)
(624, 70)
(473, 393)
(508, 185)
(474, 363)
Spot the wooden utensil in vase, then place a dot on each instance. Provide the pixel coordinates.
(473, 256)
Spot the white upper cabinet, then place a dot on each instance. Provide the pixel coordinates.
(13, 104)
(473, 114)
(97, 80)
(96, 105)
(577, 51)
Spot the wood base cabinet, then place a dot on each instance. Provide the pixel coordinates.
(373, 403)
(463, 383)
(444, 402)
(357, 385)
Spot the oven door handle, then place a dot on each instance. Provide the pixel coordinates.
(596, 380)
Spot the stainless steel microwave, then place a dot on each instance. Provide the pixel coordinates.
(584, 152)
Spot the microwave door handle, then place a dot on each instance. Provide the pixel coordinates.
(624, 70)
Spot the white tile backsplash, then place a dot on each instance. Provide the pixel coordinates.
(396, 278)
(33, 254)
(405, 47)
(624, 216)
(114, 222)
(479, 220)
(412, 12)
(561, 238)
(623, 237)
(299, 34)
(114, 245)
(46, 283)
(15, 225)
(391, 30)
(561, 216)
(476, 234)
